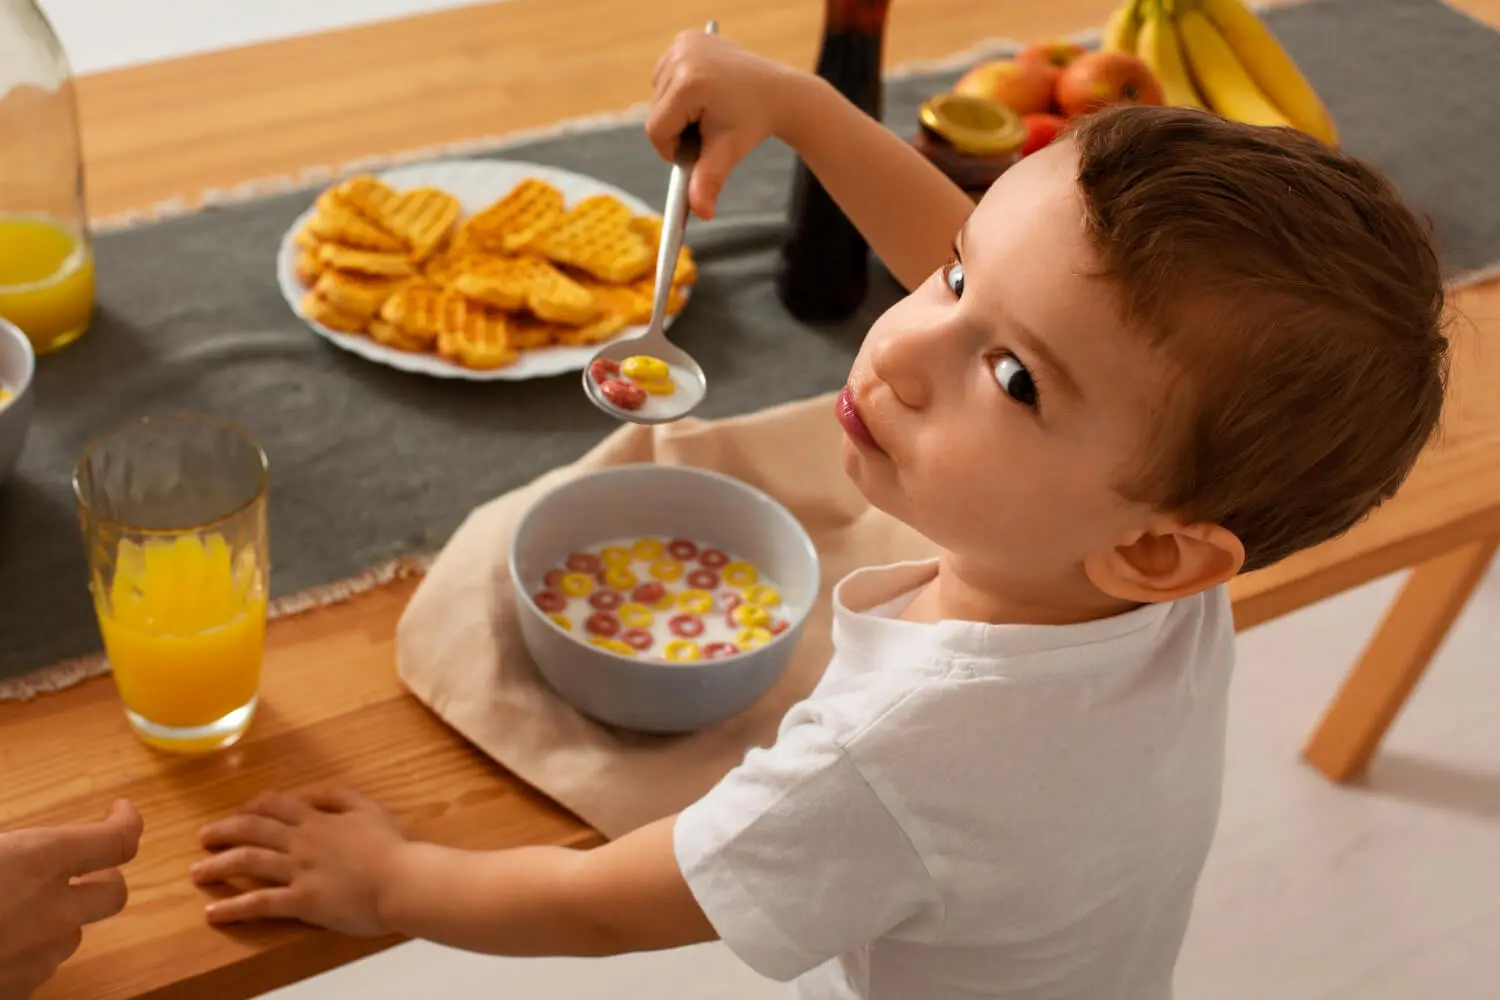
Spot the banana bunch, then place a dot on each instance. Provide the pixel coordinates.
(1217, 55)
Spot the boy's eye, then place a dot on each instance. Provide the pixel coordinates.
(1015, 380)
(953, 277)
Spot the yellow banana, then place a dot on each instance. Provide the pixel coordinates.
(1157, 47)
(1223, 81)
(1120, 30)
(1271, 67)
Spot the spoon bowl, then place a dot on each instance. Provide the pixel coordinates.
(687, 374)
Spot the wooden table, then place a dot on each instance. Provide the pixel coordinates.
(332, 707)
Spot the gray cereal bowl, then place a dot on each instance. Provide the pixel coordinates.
(17, 366)
(662, 501)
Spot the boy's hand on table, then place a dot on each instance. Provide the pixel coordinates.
(321, 859)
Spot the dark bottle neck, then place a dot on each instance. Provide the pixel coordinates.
(861, 17)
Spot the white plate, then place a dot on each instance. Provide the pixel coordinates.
(476, 184)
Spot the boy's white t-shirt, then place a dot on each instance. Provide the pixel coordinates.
(964, 810)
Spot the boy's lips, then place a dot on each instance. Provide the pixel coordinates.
(853, 423)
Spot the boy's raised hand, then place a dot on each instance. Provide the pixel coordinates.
(738, 100)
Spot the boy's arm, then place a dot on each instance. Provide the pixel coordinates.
(628, 895)
(908, 209)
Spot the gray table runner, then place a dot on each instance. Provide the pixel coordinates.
(370, 464)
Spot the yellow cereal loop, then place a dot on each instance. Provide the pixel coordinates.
(681, 651)
(663, 388)
(698, 602)
(760, 593)
(562, 622)
(633, 615)
(613, 645)
(618, 578)
(649, 549)
(644, 368)
(577, 584)
(740, 574)
(666, 602)
(615, 556)
(752, 615)
(750, 638)
(666, 570)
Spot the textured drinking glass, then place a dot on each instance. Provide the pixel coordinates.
(46, 261)
(173, 510)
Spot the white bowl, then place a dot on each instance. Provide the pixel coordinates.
(662, 501)
(17, 366)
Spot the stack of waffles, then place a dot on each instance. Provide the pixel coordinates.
(526, 273)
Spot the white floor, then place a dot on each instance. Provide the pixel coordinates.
(1389, 891)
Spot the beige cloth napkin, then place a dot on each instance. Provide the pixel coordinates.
(459, 647)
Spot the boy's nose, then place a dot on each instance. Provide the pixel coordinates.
(905, 360)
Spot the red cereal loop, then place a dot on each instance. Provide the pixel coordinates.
(601, 370)
(729, 602)
(682, 549)
(687, 626)
(713, 558)
(553, 579)
(584, 562)
(623, 395)
(648, 593)
(637, 638)
(550, 601)
(703, 579)
(781, 626)
(606, 600)
(602, 623)
(719, 650)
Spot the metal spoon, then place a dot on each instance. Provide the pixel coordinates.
(692, 385)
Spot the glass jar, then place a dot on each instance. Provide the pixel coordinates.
(46, 261)
(970, 139)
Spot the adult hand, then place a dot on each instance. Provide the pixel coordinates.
(53, 882)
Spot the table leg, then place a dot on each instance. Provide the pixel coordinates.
(1374, 691)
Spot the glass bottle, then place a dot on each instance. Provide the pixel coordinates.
(824, 270)
(46, 261)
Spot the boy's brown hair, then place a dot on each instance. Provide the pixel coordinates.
(1302, 305)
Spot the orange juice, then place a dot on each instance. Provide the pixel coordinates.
(184, 626)
(46, 280)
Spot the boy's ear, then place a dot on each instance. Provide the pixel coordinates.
(1166, 561)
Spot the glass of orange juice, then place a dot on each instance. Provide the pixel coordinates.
(173, 510)
(46, 261)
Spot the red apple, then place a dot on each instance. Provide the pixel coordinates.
(1099, 79)
(1055, 53)
(1024, 89)
(1040, 131)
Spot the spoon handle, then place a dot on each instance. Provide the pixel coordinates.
(674, 217)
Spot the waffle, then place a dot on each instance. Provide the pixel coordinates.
(480, 340)
(422, 218)
(422, 311)
(370, 262)
(306, 239)
(309, 266)
(356, 294)
(337, 222)
(510, 224)
(325, 313)
(393, 336)
(366, 195)
(646, 289)
(526, 282)
(596, 332)
(595, 237)
(648, 228)
(527, 333)
(620, 300)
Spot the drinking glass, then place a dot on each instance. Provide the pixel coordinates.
(173, 511)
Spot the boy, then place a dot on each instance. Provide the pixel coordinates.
(1160, 351)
